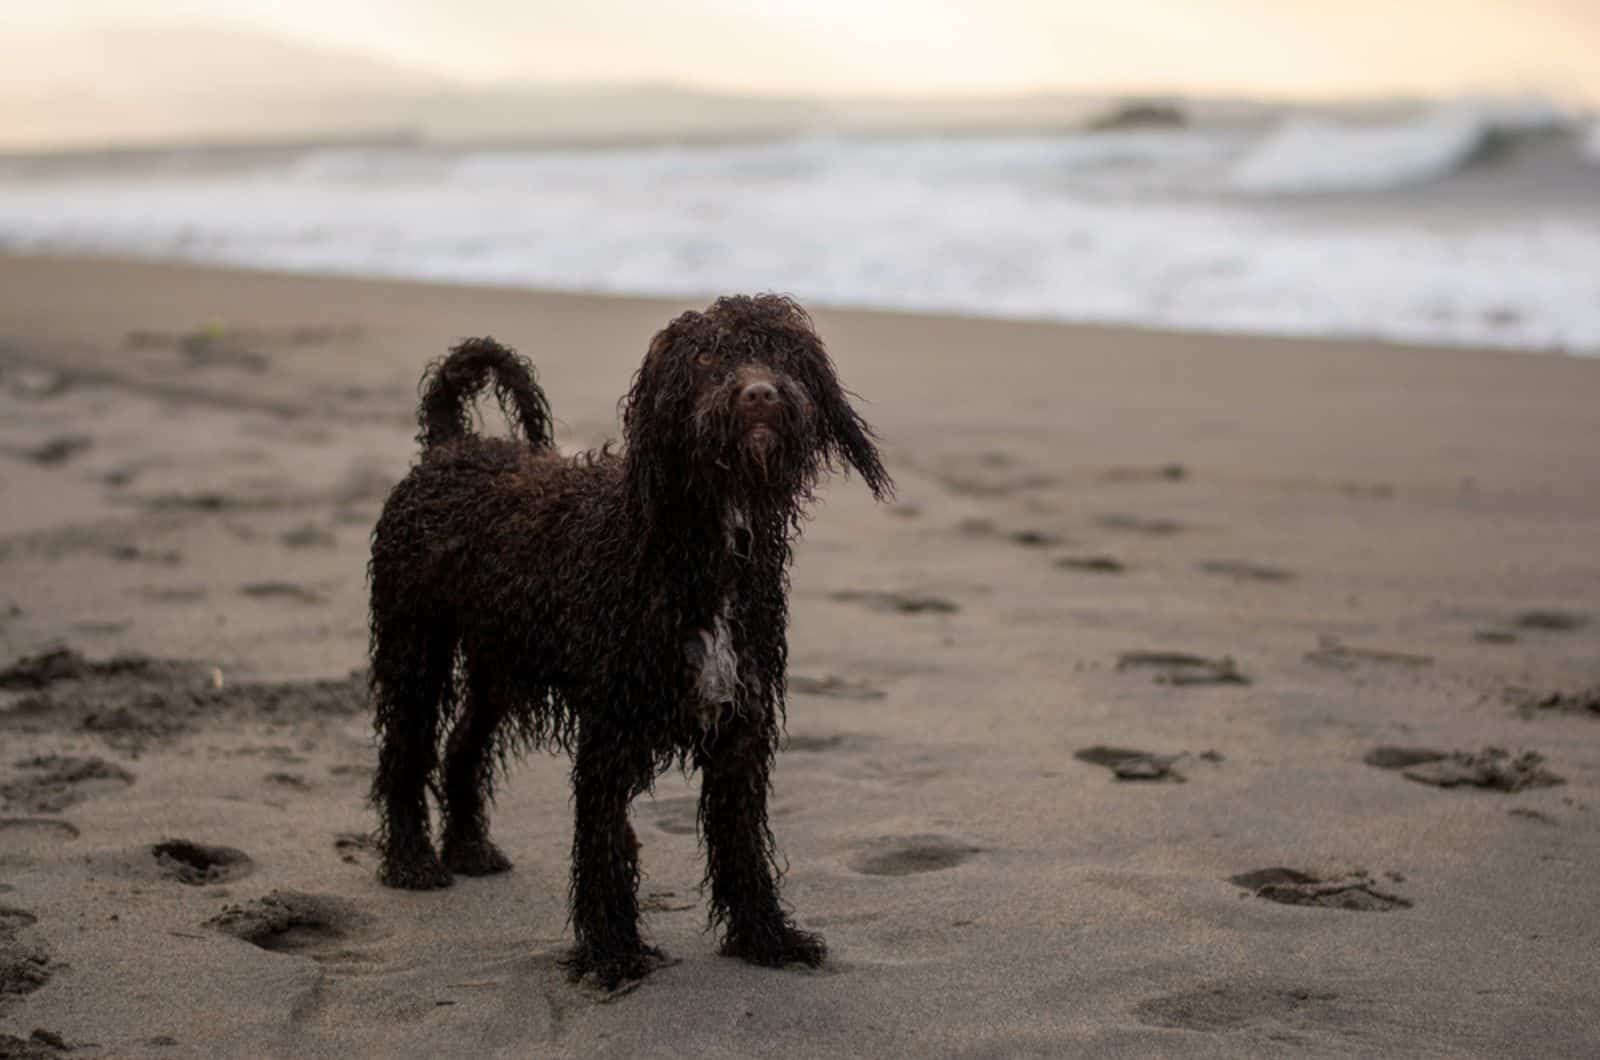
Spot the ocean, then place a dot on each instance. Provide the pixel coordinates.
(1458, 223)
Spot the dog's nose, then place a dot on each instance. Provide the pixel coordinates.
(757, 394)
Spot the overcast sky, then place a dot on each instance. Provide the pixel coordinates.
(1265, 47)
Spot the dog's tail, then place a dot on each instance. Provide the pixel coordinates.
(451, 382)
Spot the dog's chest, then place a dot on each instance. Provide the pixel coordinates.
(717, 683)
(712, 654)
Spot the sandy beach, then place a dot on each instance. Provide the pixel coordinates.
(1198, 695)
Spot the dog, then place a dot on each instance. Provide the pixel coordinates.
(628, 606)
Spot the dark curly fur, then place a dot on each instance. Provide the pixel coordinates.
(525, 600)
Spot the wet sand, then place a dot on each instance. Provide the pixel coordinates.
(1199, 695)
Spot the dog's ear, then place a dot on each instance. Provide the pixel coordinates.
(850, 439)
(663, 380)
(655, 411)
(845, 436)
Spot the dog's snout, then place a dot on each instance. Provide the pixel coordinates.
(758, 394)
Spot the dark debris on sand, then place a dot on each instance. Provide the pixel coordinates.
(1356, 891)
(1181, 668)
(132, 701)
(1493, 768)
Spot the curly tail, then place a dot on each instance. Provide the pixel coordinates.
(450, 383)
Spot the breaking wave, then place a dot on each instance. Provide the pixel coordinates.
(1311, 155)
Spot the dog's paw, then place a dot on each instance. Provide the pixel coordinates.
(776, 948)
(416, 870)
(610, 971)
(475, 857)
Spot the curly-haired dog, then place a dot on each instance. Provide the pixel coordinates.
(629, 607)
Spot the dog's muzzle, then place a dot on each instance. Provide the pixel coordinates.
(761, 415)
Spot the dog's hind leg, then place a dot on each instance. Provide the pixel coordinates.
(740, 851)
(413, 688)
(469, 776)
(610, 770)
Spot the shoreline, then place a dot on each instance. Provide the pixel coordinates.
(1097, 328)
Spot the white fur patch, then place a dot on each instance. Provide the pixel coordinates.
(718, 683)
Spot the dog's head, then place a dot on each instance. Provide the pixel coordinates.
(742, 400)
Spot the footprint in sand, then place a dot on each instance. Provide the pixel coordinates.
(1234, 1005)
(1336, 655)
(1584, 702)
(663, 902)
(1527, 813)
(51, 783)
(309, 535)
(196, 863)
(991, 474)
(169, 594)
(831, 687)
(281, 590)
(23, 839)
(1355, 891)
(1156, 473)
(34, 384)
(1101, 564)
(1551, 621)
(912, 855)
(815, 743)
(1181, 668)
(1036, 538)
(1127, 764)
(24, 966)
(1493, 768)
(56, 450)
(1028, 537)
(678, 816)
(295, 922)
(1244, 570)
(1138, 524)
(356, 848)
(896, 602)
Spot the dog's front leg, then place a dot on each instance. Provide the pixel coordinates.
(605, 860)
(740, 851)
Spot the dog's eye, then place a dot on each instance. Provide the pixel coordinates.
(705, 358)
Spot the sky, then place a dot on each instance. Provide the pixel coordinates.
(1276, 48)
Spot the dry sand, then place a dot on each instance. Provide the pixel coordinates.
(1019, 835)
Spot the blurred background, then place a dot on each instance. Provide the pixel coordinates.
(1424, 172)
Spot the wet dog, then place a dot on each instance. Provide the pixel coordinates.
(628, 606)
